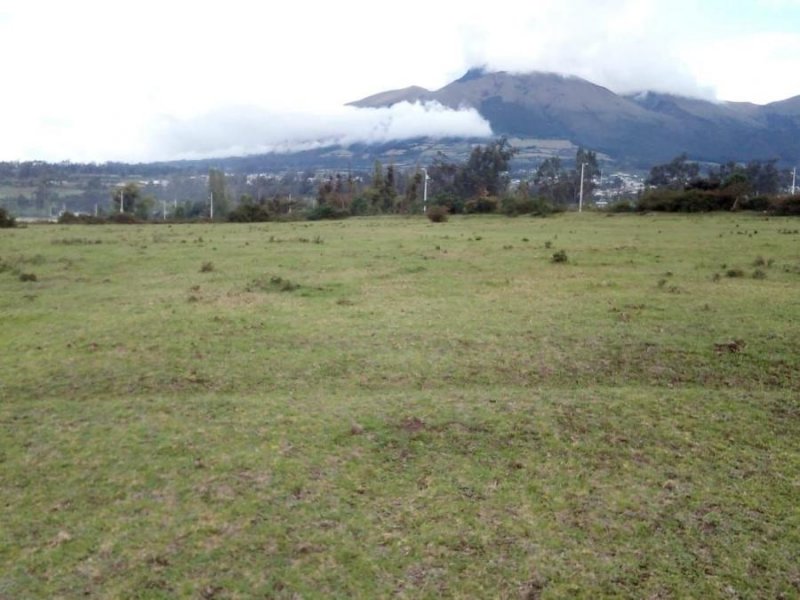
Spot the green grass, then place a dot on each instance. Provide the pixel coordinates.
(390, 407)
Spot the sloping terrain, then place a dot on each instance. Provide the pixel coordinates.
(647, 127)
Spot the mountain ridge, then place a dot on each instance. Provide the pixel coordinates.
(647, 126)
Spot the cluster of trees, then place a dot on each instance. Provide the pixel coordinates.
(678, 186)
(481, 183)
(475, 185)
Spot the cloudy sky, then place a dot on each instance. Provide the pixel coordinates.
(123, 80)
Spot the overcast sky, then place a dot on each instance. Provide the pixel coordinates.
(144, 80)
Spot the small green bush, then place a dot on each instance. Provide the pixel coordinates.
(249, 212)
(787, 206)
(560, 256)
(6, 220)
(326, 211)
(690, 201)
(437, 214)
(123, 219)
(757, 203)
(482, 204)
(621, 206)
(28, 277)
(207, 267)
(68, 218)
(514, 206)
(272, 284)
(734, 273)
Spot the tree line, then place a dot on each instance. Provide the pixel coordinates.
(679, 186)
(481, 183)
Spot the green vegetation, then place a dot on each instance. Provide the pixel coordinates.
(6, 220)
(678, 187)
(402, 408)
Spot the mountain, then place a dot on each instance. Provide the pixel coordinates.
(645, 128)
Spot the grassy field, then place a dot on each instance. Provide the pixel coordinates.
(393, 408)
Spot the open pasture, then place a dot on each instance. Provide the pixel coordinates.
(387, 407)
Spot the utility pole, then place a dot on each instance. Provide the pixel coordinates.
(580, 198)
(425, 190)
(121, 199)
(794, 181)
(164, 209)
(211, 201)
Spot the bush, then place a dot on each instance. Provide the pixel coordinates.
(68, 218)
(621, 206)
(693, 200)
(758, 203)
(482, 204)
(123, 219)
(249, 212)
(273, 284)
(207, 267)
(513, 206)
(28, 277)
(359, 206)
(326, 211)
(6, 220)
(559, 256)
(788, 206)
(437, 214)
(450, 201)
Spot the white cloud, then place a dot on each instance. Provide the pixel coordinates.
(243, 130)
(760, 67)
(91, 79)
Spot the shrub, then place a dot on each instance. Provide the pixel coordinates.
(207, 267)
(68, 218)
(786, 206)
(273, 284)
(326, 211)
(481, 204)
(560, 256)
(28, 277)
(249, 212)
(757, 203)
(734, 273)
(123, 219)
(6, 220)
(621, 206)
(514, 206)
(437, 214)
(693, 200)
(359, 206)
(453, 203)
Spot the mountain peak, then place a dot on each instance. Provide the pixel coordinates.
(644, 127)
(473, 73)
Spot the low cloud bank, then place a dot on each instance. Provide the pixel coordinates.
(248, 130)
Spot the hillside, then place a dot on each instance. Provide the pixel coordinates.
(645, 128)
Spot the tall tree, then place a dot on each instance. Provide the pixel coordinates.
(677, 173)
(591, 170)
(554, 183)
(217, 192)
(129, 195)
(486, 170)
